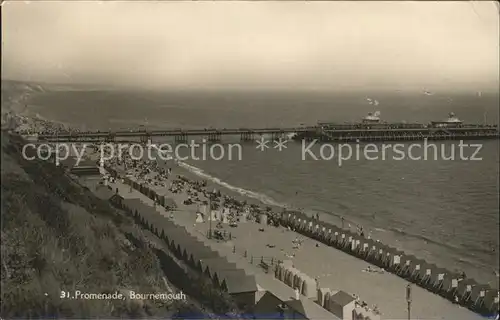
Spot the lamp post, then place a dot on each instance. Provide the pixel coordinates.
(408, 299)
(210, 195)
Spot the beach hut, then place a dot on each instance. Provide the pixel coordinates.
(318, 231)
(297, 281)
(308, 286)
(352, 245)
(175, 239)
(127, 181)
(290, 273)
(449, 285)
(117, 201)
(396, 260)
(279, 272)
(406, 269)
(298, 223)
(135, 185)
(342, 305)
(490, 302)
(365, 248)
(464, 290)
(377, 254)
(436, 280)
(211, 266)
(240, 286)
(388, 259)
(147, 191)
(373, 252)
(323, 293)
(161, 200)
(415, 266)
(341, 240)
(333, 237)
(325, 233)
(356, 244)
(150, 193)
(303, 226)
(227, 277)
(477, 296)
(195, 251)
(154, 195)
(425, 275)
(371, 256)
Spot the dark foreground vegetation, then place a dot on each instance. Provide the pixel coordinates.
(57, 236)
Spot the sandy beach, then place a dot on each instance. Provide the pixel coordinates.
(333, 269)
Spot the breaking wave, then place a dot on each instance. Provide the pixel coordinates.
(244, 192)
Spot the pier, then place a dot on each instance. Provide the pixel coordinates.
(337, 133)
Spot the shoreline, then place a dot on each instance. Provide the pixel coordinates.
(396, 238)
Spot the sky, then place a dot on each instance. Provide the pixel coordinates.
(282, 45)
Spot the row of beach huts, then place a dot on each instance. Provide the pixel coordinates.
(479, 298)
(337, 302)
(227, 277)
(467, 292)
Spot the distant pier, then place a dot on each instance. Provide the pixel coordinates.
(371, 128)
(346, 134)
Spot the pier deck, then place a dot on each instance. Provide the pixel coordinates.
(351, 134)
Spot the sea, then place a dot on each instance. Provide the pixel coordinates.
(440, 209)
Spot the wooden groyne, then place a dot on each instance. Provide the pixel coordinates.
(467, 292)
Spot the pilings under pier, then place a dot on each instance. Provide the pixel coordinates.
(214, 137)
(145, 139)
(277, 136)
(181, 138)
(247, 136)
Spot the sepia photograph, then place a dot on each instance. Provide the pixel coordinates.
(250, 160)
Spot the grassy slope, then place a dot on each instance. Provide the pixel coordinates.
(57, 236)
